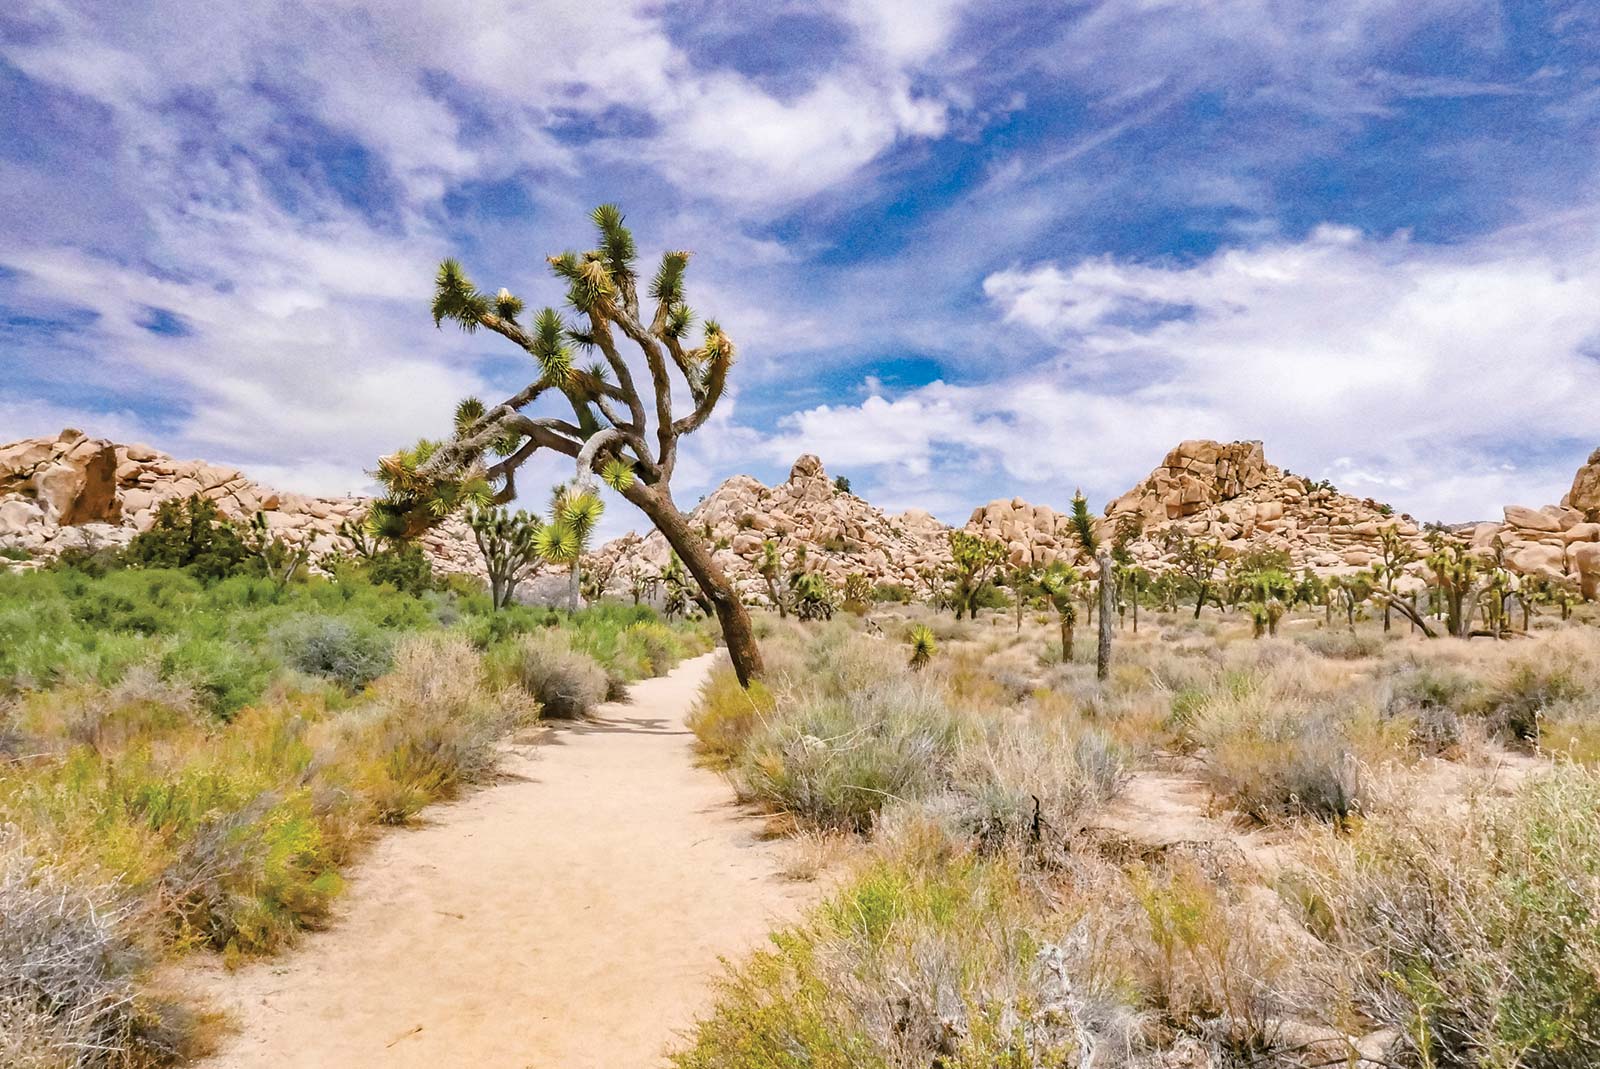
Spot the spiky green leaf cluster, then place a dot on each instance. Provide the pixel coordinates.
(456, 298)
(923, 646)
(667, 286)
(507, 306)
(1083, 524)
(617, 473)
(616, 241)
(550, 347)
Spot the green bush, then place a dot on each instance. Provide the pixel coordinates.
(225, 675)
(349, 653)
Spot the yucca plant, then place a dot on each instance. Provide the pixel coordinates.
(574, 514)
(610, 426)
(923, 646)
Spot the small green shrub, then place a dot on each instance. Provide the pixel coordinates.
(226, 676)
(726, 714)
(835, 763)
(348, 652)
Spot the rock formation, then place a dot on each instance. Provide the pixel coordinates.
(842, 534)
(73, 491)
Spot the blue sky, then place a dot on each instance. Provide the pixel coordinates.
(967, 250)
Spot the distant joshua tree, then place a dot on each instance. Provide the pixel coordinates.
(509, 543)
(1083, 528)
(612, 421)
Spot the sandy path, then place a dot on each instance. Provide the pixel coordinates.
(570, 916)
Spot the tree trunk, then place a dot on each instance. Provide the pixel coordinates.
(1102, 658)
(1135, 605)
(691, 549)
(1200, 601)
(777, 601)
(572, 587)
(1066, 641)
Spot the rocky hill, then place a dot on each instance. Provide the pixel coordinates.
(74, 491)
(841, 533)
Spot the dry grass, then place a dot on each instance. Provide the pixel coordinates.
(1441, 923)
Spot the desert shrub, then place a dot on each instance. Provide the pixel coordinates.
(892, 593)
(1343, 645)
(903, 967)
(72, 976)
(433, 728)
(726, 714)
(192, 535)
(1473, 938)
(227, 676)
(1561, 677)
(834, 762)
(566, 682)
(1290, 738)
(348, 652)
(1031, 783)
(246, 881)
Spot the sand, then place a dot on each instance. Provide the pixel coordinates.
(572, 915)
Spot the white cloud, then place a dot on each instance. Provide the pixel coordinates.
(1449, 380)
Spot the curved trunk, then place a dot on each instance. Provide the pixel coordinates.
(718, 590)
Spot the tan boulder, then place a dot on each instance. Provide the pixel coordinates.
(1585, 493)
(1582, 532)
(1530, 519)
(1585, 559)
(1537, 558)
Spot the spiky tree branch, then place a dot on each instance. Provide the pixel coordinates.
(610, 432)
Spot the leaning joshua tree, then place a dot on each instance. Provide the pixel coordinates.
(627, 434)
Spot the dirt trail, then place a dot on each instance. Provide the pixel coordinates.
(570, 916)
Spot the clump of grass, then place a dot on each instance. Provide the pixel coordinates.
(433, 728)
(1344, 645)
(1290, 737)
(834, 763)
(567, 683)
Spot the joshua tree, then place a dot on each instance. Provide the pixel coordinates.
(611, 422)
(280, 558)
(1269, 590)
(1083, 528)
(1059, 584)
(973, 560)
(1393, 556)
(679, 589)
(1196, 561)
(1456, 573)
(574, 513)
(771, 565)
(509, 542)
(1023, 579)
